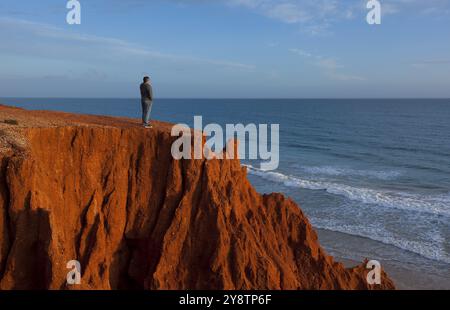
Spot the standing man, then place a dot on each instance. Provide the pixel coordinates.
(146, 102)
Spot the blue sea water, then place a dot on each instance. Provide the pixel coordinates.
(376, 169)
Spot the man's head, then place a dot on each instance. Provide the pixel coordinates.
(146, 79)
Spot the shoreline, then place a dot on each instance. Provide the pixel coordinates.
(409, 271)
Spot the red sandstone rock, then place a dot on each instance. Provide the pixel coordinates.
(106, 192)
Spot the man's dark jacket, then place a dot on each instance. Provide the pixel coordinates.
(146, 92)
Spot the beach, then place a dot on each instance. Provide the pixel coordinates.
(408, 271)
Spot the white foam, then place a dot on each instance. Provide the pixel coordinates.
(433, 249)
(439, 205)
(342, 171)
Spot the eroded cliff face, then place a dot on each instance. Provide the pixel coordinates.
(113, 198)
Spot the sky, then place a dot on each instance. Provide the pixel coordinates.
(226, 49)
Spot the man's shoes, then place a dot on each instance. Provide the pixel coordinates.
(147, 126)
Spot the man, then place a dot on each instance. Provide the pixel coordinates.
(146, 102)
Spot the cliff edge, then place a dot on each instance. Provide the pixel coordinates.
(106, 192)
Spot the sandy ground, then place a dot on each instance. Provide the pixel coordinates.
(406, 272)
(32, 119)
(14, 120)
(406, 279)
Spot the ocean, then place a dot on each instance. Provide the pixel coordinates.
(375, 173)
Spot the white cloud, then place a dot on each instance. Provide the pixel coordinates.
(313, 15)
(317, 16)
(59, 38)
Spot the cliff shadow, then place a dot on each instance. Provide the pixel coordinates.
(29, 255)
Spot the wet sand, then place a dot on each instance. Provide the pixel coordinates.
(409, 271)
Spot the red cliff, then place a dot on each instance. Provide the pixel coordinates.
(108, 193)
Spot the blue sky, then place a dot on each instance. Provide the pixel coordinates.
(226, 48)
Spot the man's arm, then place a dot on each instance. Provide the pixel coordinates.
(150, 91)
